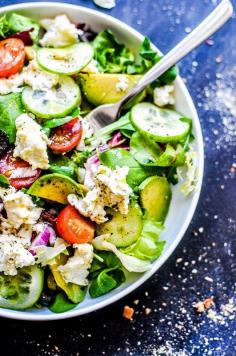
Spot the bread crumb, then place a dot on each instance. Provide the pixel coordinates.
(128, 312)
(204, 305)
(147, 311)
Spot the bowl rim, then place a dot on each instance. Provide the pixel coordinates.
(24, 315)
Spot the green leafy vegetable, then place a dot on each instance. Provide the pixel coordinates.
(144, 149)
(79, 158)
(61, 304)
(149, 57)
(10, 108)
(111, 56)
(63, 165)
(131, 263)
(117, 125)
(4, 26)
(19, 23)
(4, 181)
(120, 157)
(50, 124)
(107, 280)
(148, 246)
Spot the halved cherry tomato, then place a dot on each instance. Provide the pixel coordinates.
(73, 227)
(66, 137)
(15, 167)
(12, 56)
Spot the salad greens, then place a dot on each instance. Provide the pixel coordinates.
(95, 203)
(10, 108)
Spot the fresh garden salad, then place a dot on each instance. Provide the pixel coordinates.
(79, 209)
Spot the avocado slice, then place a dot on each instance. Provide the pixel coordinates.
(73, 291)
(155, 197)
(103, 88)
(55, 187)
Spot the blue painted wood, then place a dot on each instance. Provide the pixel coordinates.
(204, 263)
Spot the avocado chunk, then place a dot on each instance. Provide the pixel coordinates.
(106, 88)
(55, 187)
(74, 292)
(155, 197)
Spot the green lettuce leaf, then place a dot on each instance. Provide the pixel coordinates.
(4, 26)
(148, 247)
(10, 108)
(19, 23)
(4, 182)
(63, 165)
(112, 56)
(131, 263)
(61, 304)
(107, 279)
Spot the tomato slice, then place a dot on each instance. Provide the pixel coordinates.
(12, 56)
(19, 172)
(73, 227)
(66, 137)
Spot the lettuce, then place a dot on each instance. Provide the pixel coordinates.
(188, 174)
(111, 56)
(10, 108)
(46, 255)
(148, 247)
(131, 263)
(4, 26)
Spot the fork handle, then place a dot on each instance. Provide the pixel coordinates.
(201, 33)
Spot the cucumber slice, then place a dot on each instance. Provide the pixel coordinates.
(124, 229)
(56, 102)
(162, 125)
(23, 290)
(155, 197)
(69, 60)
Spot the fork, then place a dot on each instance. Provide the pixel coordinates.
(106, 114)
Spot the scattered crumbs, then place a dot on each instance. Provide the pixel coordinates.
(204, 305)
(179, 260)
(229, 308)
(136, 301)
(187, 29)
(128, 312)
(219, 59)
(194, 271)
(208, 279)
(147, 311)
(201, 229)
(209, 42)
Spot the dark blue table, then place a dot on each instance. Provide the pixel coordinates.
(204, 264)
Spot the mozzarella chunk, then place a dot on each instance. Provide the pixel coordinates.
(31, 142)
(76, 270)
(60, 32)
(122, 84)
(13, 254)
(19, 207)
(164, 95)
(87, 132)
(37, 78)
(108, 189)
(11, 84)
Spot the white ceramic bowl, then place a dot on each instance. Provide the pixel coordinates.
(181, 210)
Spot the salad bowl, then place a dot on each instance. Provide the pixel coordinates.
(182, 208)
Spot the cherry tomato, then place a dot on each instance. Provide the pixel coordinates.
(12, 56)
(66, 137)
(15, 169)
(73, 227)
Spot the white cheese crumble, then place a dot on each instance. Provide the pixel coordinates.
(76, 269)
(106, 4)
(122, 84)
(13, 254)
(19, 207)
(164, 95)
(110, 189)
(11, 84)
(31, 142)
(60, 32)
(87, 132)
(37, 78)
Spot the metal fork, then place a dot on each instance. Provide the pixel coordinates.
(106, 114)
